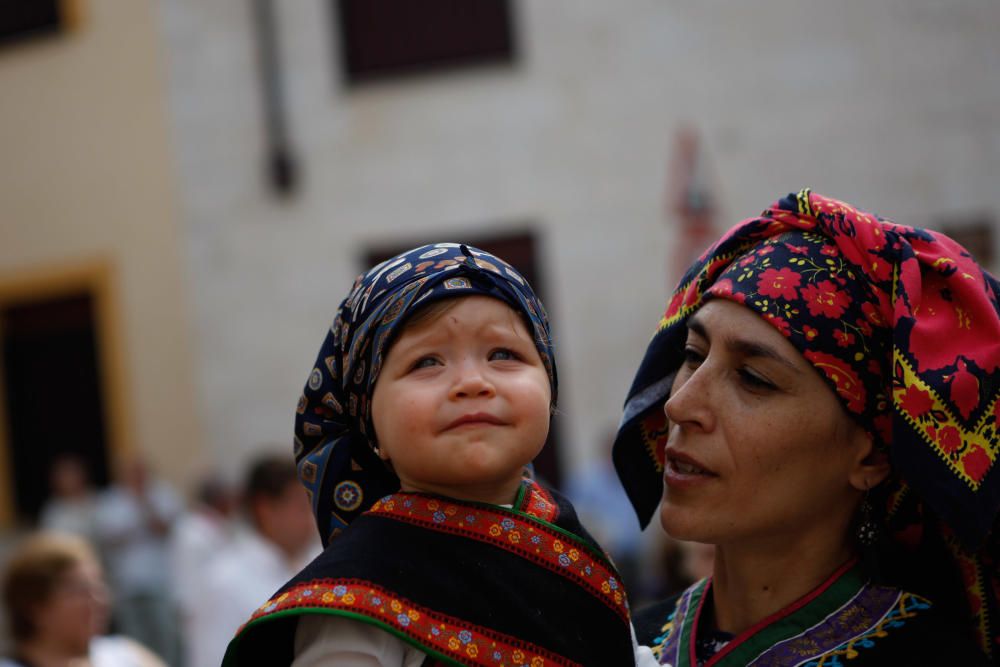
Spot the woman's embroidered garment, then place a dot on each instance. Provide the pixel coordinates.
(846, 621)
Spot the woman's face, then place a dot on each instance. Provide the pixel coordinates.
(760, 449)
(76, 610)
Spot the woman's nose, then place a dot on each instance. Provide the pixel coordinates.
(690, 401)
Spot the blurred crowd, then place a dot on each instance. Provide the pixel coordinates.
(131, 575)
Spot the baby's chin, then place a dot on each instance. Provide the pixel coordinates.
(493, 491)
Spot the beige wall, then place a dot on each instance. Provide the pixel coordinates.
(86, 195)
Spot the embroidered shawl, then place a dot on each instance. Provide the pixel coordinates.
(467, 583)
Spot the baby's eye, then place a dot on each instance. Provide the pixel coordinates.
(425, 362)
(503, 354)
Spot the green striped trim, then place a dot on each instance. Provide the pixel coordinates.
(791, 621)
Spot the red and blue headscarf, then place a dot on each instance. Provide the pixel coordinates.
(335, 444)
(902, 324)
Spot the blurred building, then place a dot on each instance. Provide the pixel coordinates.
(95, 325)
(212, 175)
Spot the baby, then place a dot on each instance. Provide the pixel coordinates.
(432, 393)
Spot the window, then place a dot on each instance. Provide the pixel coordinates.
(51, 379)
(383, 39)
(20, 19)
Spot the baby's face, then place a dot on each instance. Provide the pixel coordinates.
(462, 402)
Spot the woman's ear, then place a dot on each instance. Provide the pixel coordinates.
(871, 465)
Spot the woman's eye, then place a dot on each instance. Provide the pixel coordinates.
(502, 354)
(754, 381)
(692, 357)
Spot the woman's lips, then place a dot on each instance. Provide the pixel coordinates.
(682, 469)
(687, 468)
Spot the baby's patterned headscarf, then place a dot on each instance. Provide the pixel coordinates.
(334, 435)
(902, 324)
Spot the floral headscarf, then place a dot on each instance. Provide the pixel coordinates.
(334, 435)
(901, 323)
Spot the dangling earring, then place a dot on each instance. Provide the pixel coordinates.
(867, 528)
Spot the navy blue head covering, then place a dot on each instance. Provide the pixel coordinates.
(334, 435)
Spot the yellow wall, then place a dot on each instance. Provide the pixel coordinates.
(86, 197)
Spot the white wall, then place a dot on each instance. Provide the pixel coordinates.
(892, 105)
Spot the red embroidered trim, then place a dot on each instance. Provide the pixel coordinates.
(655, 429)
(970, 453)
(538, 502)
(546, 547)
(451, 637)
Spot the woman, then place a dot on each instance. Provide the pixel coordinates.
(820, 402)
(56, 603)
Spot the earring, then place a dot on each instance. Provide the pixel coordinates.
(867, 532)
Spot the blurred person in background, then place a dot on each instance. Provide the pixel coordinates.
(72, 501)
(133, 523)
(56, 602)
(279, 541)
(202, 532)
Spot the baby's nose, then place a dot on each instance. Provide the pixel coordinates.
(471, 381)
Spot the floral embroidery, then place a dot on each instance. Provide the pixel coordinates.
(779, 283)
(540, 503)
(907, 606)
(453, 638)
(534, 541)
(825, 299)
(838, 624)
(969, 452)
(842, 376)
(655, 430)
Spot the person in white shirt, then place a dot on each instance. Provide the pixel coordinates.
(278, 541)
(202, 532)
(72, 504)
(132, 527)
